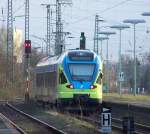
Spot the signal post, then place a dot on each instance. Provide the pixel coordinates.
(106, 119)
(27, 48)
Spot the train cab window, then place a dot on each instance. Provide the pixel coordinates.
(62, 78)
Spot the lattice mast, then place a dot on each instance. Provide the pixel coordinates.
(49, 22)
(59, 26)
(10, 65)
(26, 57)
(48, 47)
(96, 34)
(58, 44)
(26, 19)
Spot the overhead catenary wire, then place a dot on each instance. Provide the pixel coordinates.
(19, 8)
(105, 10)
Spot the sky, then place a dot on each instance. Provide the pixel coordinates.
(80, 16)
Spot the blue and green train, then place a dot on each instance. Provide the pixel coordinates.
(75, 75)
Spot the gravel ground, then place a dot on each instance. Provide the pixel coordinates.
(67, 123)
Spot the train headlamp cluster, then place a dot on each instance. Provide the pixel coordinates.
(93, 86)
(70, 86)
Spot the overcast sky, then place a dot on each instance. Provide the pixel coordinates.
(80, 17)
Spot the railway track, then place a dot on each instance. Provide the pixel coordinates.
(9, 126)
(117, 124)
(139, 128)
(25, 123)
(139, 111)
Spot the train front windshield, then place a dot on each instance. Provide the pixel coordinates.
(81, 72)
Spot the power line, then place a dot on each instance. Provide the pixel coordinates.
(114, 6)
(19, 8)
(105, 10)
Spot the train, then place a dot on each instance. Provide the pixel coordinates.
(72, 77)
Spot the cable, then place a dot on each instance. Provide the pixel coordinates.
(107, 9)
(116, 5)
(20, 7)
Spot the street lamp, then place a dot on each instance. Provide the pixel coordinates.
(134, 22)
(107, 33)
(146, 14)
(120, 78)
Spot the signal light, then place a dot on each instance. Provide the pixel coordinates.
(27, 46)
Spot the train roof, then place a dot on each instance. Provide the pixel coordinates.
(58, 59)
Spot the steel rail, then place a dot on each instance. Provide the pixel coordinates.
(13, 124)
(115, 125)
(138, 126)
(52, 128)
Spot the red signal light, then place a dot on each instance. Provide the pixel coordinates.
(27, 46)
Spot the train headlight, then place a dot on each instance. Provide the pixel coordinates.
(70, 86)
(93, 86)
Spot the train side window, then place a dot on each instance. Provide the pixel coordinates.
(39, 80)
(63, 79)
(47, 79)
(99, 79)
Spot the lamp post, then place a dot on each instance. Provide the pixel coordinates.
(120, 77)
(134, 22)
(107, 33)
